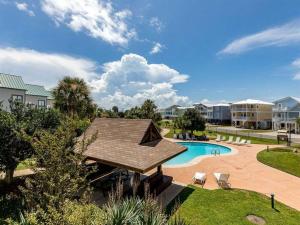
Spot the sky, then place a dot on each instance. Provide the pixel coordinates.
(171, 51)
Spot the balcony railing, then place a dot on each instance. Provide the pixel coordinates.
(280, 109)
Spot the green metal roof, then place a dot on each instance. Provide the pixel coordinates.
(50, 96)
(36, 90)
(12, 81)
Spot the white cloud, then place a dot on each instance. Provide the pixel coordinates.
(156, 24)
(276, 36)
(156, 48)
(296, 66)
(126, 82)
(22, 6)
(131, 80)
(96, 17)
(44, 68)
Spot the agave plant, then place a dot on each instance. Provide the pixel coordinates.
(125, 212)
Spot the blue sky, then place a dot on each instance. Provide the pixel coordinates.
(174, 52)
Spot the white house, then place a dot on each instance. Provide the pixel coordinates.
(12, 87)
(251, 113)
(285, 113)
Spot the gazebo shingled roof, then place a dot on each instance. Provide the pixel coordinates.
(132, 144)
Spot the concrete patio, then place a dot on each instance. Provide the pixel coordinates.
(245, 173)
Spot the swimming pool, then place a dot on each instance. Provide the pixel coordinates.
(196, 149)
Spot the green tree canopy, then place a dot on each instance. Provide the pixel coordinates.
(194, 120)
(147, 111)
(72, 96)
(14, 148)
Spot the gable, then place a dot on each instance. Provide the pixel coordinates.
(151, 134)
(287, 102)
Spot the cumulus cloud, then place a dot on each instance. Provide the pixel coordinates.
(22, 6)
(276, 36)
(126, 82)
(156, 24)
(96, 17)
(156, 48)
(131, 80)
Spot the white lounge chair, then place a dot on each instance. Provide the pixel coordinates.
(180, 136)
(199, 177)
(218, 138)
(237, 140)
(187, 136)
(242, 142)
(230, 140)
(248, 142)
(222, 179)
(175, 136)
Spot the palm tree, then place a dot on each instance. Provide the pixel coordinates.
(72, 96)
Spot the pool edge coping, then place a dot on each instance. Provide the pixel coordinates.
(198, 159)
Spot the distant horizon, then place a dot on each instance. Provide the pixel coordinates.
(173, 53)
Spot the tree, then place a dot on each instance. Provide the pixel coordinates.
(196, 121)
(149, 111)
(115, 109)
(181, 123)
(14, 148)
(60, 174)
(72, 96)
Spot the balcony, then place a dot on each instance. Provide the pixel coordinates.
(280, 109)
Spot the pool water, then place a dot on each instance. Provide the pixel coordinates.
(196, 149)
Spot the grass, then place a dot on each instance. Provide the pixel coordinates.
(283, 159)
(209, 207)
(212, 135)
(26, 164)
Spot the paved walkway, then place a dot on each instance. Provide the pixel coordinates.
(245, 173)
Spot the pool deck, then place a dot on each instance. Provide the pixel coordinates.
(245, 173)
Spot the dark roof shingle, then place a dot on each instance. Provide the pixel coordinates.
(121, 143)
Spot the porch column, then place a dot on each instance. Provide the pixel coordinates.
(159, 169)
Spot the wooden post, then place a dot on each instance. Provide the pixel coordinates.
(159, 169)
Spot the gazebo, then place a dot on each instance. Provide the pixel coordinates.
(132, 144)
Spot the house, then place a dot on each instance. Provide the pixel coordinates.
(182, 109)
(11, 87)
(134, 145)
(219, 113)
(251, 114)
(169, 113)
(285, 113)
(36, 96)
(202, 109)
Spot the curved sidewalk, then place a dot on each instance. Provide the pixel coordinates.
(245, 173)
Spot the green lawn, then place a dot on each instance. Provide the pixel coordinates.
(213, 135)
(281, 158)
(26, 164)
(211, 207)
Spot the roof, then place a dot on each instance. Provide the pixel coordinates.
(295, 98)
(129, 143)
(36, 90)
(12, 81)
(186, 107)
(252, 101)
(222, 104)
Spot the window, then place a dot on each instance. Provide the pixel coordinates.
(41, 103)
(18, 98)
(279, 105)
